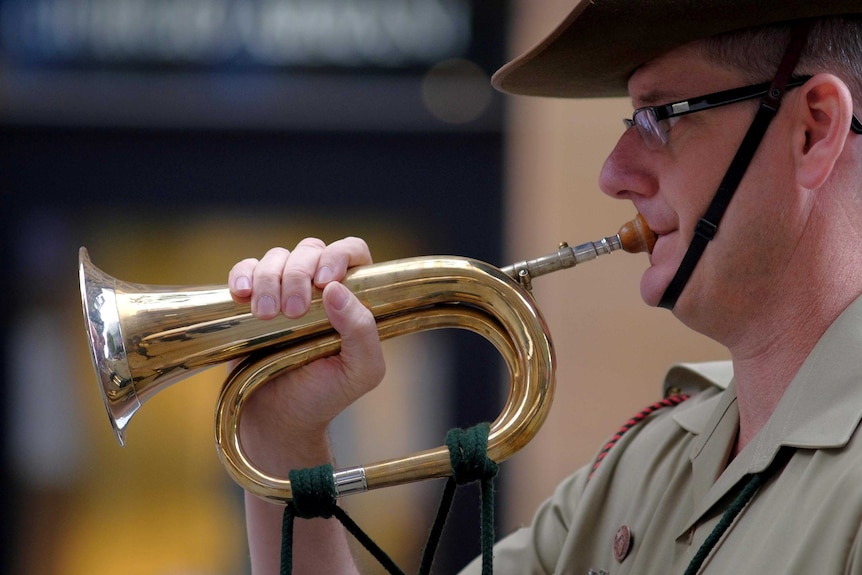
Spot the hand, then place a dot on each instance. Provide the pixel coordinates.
(285, 421)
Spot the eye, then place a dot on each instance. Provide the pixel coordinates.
(669, 123)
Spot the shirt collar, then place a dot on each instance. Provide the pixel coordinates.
(820, 409)
(693, 379)
(822, 406)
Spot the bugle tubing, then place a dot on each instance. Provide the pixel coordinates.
(144, 338)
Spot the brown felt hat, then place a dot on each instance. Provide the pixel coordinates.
(594, 51)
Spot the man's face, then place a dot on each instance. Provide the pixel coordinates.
(672, 187)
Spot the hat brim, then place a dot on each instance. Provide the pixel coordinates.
(595, 50)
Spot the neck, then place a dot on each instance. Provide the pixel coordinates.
(808, 273)
(760, 383)
(765, 367)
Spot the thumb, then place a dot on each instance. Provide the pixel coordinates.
(361, 354)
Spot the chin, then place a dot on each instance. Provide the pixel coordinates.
(651, 298)
(654, 282)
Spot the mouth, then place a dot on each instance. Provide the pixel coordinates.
(660, 233)
(661, 226)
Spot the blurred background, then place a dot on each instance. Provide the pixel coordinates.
(174, 137)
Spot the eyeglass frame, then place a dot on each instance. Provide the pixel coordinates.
(655, 135)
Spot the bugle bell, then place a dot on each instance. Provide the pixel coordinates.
(143, 338)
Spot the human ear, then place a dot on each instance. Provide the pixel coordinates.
(825, 111)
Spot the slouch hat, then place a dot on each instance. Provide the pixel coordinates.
(598, 46)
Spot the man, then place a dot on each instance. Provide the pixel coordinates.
(765, 477)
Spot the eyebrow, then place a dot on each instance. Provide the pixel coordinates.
(653, 97)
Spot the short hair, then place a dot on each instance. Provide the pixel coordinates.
(834, 45)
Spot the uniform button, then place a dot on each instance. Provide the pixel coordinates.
(622, 543)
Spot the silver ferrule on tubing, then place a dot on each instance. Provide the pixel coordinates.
(564, 257)
(349, 481)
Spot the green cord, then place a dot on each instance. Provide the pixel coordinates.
(726, 520)
(745, 496)
(468, 453)
(314, 495)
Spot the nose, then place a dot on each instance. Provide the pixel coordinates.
(628, 171)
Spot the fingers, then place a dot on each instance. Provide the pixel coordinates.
(282, 281)
(239, 279)
(266, 283)
(287, 278)
(338, 257)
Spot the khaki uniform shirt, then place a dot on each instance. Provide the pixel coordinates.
(668, 481)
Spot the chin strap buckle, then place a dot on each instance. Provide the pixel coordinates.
(706, 229)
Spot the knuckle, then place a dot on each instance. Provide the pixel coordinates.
(365, 322)
(357, 243)
(296, 275)
(347, 252)
(266, 282)
(312, 242)
(354, 239)
(277, 252)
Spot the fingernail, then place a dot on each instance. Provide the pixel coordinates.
(266, 306)
(294, 306)
(324, 275)
(338, 296)
(242, 284)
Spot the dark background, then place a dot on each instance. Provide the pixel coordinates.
(85, 132)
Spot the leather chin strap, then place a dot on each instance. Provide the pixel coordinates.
(707, 227)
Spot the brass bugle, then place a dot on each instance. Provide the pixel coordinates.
(144, 338)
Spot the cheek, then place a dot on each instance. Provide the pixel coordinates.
(688, 205)
(742, 262)
(733, 259)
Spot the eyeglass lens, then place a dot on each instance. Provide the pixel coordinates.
(653, 132)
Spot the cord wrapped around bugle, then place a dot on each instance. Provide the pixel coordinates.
(144, 338)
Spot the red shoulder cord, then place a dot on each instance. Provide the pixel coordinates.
(637, 418)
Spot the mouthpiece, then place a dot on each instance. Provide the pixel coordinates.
(636, 237)
(633, 237)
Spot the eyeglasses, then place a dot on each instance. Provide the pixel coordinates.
(654, 122)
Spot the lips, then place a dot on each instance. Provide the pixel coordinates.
(661, 240)
(660, 226)
(659, 231)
